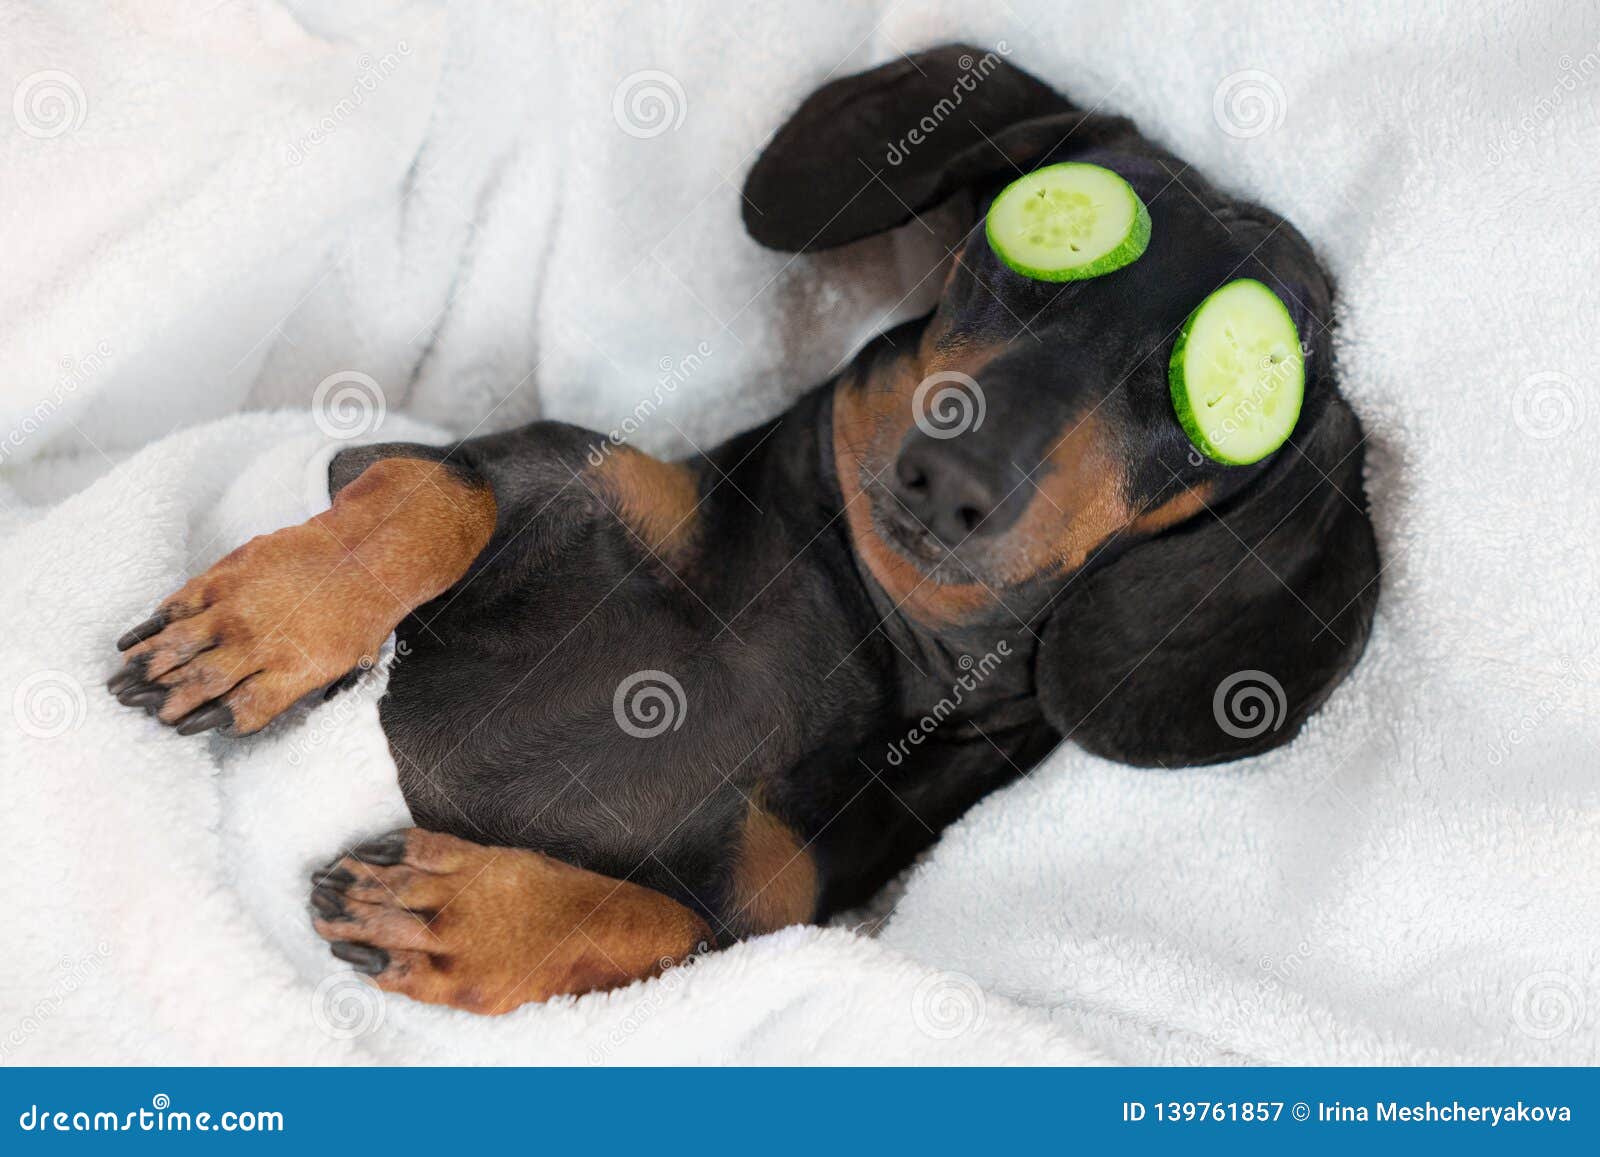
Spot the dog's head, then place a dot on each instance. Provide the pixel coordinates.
(1016, 456)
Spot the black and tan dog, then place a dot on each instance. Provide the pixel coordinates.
(813, 590)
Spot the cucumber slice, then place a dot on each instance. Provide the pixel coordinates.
(1067, 222)
(1237, 374)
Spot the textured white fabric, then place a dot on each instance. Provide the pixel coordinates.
(200, 215)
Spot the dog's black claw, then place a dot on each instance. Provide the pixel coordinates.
(362, 957)
(204, 718)
(142, 695)
(332, 878)
(154, 625)
(327, 901)
(383, 851)
(132, 673)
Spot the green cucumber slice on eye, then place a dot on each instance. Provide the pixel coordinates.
(1067, 222)
(1237, 374)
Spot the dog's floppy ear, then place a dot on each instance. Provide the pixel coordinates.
(865, 152)
(1217, 639)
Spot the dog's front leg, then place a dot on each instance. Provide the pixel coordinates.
(294, 610)
(487, 929)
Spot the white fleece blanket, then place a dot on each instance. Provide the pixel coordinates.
(385, 214)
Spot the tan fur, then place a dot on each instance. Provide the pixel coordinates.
(488, 929)
(292, 611)
(1175, 510)
(1076, 503)
(655, 499)
(774, 878)
(870, 420)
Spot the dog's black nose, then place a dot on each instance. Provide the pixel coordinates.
(954, 498)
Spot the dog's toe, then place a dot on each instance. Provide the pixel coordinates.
(385, 850)
(400, 907)
(374, 896)
(151, 626)
(131, 677)
(205, 718)
(362, 957)
(328, 901)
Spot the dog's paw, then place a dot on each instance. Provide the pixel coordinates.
(283, 615)
(488, 929)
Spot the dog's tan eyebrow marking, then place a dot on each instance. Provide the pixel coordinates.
(1179, 508)
(654, 499)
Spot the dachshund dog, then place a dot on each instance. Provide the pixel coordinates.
(648, 707)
